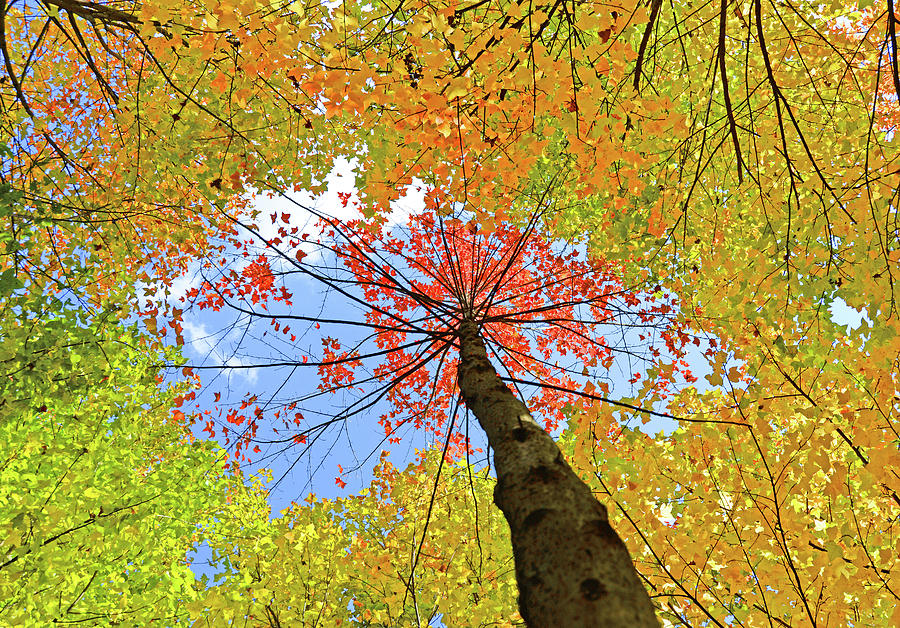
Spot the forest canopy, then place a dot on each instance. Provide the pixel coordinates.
(661, 189)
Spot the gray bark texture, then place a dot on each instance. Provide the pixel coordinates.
(572, 569)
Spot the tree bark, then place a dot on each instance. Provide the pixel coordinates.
(572, 568)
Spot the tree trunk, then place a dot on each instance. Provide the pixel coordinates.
(572, 568)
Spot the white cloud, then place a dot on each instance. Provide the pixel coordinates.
(410, 204)
(304, 209)
(185, 283)
(191, 278)
(207, 346)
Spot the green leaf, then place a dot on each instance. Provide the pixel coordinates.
(9, 282)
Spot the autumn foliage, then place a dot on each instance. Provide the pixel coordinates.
(536, 308)
(727, 170)
(542, 310)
